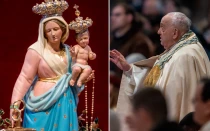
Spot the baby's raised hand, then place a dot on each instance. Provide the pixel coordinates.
(72, 50)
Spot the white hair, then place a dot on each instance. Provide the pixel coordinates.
(180, 20)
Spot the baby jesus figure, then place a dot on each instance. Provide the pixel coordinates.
(81, 53)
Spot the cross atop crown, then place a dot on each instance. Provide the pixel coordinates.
(76, 7)
(77, 12)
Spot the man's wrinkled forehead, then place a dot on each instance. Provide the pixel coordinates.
(167, 19)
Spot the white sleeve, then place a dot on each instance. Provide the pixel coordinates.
(135, 76)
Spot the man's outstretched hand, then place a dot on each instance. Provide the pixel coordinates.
(119, 60)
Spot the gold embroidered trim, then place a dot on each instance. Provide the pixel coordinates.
(153, 76)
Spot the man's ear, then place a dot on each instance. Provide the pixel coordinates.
(176, 33)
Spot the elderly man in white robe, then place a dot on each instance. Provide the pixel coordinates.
(175, 72)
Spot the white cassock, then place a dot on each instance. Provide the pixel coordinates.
(178, 81)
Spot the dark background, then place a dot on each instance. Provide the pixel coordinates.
(19, 29)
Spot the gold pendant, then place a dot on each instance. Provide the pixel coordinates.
(61, 54)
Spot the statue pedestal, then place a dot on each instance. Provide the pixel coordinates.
(19, 129)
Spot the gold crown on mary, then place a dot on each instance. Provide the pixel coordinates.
(80, 25)
(50, 8)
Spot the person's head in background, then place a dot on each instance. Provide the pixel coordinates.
(168, 126)
(123, 17)
(114, 121)
(153, 11)
(114, 90)
(202, 102)
(188, 124)
(148, 109)
(152, 7)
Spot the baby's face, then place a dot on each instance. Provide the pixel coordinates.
(83, 39)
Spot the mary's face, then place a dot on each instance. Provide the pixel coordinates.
(53, 32)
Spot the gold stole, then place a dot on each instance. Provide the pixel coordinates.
(154, 74)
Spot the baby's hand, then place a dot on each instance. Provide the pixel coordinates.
(92, 56)
(72, 51)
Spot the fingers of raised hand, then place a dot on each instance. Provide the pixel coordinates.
(72, 48)
(113, 54)
(121, 58)
(72, 51)
(118, 54)
(113, 60)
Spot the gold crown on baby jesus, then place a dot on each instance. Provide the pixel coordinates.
(80, 25)
(50, 8)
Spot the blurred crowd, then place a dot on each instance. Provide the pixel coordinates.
(134, 25)
(151, 113)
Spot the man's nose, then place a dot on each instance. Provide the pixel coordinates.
(159, 31)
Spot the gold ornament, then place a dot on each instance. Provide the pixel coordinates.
(50, 8)
(80, 25)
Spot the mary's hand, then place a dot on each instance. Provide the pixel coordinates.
(14, 116)
(92, 75)
(119, 60)
(15, 112)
